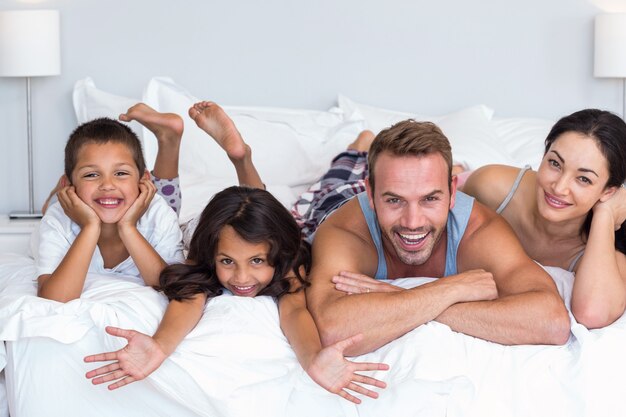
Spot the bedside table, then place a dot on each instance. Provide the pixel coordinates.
(15, 234)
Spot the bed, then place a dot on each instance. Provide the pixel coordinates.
(237, 362)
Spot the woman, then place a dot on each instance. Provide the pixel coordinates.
(570, 213)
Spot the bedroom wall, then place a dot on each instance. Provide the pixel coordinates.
(525, 58)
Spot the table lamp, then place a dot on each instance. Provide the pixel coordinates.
(29, 47)
(610, 49)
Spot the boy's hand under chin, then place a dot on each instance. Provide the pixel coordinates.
(147, 190)
(75, 208)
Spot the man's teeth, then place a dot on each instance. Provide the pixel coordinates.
(412, 238)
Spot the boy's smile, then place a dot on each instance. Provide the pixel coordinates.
(106, 178)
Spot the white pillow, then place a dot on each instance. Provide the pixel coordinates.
(290, 148)
(523, 138)
(91, 103)
(474, 141)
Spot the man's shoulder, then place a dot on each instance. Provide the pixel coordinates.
(346, 224)
(481, 219)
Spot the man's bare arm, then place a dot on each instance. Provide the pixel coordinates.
(381, 317)
(528, 310)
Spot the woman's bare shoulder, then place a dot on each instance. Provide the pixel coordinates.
(490, 184)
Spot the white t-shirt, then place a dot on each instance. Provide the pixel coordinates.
(159, 225)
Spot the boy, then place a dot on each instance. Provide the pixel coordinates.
(108, 219)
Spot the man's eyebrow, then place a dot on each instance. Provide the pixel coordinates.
(431, 194)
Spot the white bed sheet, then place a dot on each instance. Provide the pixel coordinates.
(237, 362)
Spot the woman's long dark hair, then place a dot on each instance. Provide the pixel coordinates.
(257, 217)
(609, 132)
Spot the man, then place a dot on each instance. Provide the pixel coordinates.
(411, 222)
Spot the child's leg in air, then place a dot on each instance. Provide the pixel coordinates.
(344, 179)
(213, 120)
(168, 129)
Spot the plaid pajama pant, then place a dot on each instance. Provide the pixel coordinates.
(344, 180)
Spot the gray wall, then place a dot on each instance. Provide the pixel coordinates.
(523, 58)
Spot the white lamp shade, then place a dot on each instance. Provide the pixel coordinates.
(29, 43)
(610, 45)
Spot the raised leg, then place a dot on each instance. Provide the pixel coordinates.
(213, 120)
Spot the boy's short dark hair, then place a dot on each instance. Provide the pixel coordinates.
(101, 131)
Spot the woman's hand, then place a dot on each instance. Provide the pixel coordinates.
(352, 283)
(615, 206)
(138, 359)
(332, 371)
(147, 190)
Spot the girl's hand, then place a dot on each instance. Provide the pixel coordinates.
(138, 359)
(615, 205)
(352, 283)
(75, 208)
(332, 371)
(146, 193)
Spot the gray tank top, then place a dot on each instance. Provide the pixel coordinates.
(457, 223)
(510, 195)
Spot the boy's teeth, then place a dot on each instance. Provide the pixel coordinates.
(108, 201)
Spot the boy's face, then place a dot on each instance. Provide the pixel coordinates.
(106, 178)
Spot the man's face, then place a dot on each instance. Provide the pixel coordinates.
(412, 201)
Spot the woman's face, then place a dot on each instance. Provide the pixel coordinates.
(571, 178)
(242, 266)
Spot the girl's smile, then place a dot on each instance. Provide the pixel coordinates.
(242, 267)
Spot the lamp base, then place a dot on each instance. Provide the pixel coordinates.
(24, 215)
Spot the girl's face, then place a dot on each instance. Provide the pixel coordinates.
(571, 178)
(242, 266)
(106, 178)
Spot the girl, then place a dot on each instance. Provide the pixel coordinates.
(571, 212)
(245, 242)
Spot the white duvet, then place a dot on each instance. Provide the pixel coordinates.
(237, 362)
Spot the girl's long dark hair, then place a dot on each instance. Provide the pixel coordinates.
(609, 132)
(257, 217)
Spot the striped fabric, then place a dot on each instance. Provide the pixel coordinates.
(344, 180)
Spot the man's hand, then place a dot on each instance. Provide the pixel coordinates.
(474, 285)
(353, 283)
(138, 359)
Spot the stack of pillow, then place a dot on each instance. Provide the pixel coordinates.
(293, 148)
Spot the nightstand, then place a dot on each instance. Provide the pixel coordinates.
(15, 234)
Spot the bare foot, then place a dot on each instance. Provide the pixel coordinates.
(213, 120)
(167, 127)
(362, 142)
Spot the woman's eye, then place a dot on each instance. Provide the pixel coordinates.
(585, 180)
(226, 261)
(554, 163)
(257, 261)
